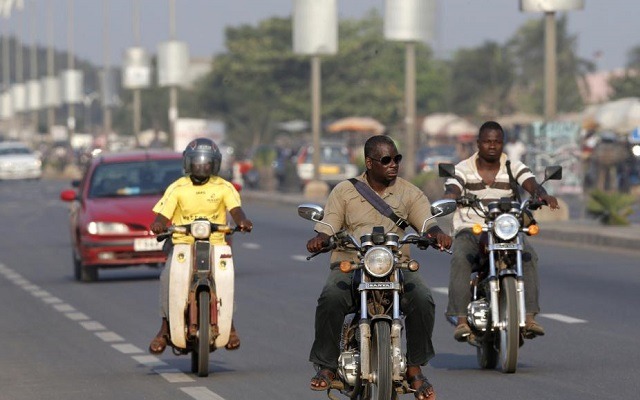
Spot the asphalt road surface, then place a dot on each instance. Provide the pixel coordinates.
(69, 340)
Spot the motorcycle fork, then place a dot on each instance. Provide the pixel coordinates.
(520, 282)
(494, 286)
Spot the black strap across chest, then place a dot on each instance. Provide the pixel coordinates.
(377, 202)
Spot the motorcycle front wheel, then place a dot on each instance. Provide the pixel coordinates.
(381, 388)
(510, 334)
(200, 355)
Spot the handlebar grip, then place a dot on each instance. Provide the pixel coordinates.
(163, 236)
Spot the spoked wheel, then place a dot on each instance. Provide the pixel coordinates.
(487, 353)
(202, 356)
(510, 335)
(381, 388)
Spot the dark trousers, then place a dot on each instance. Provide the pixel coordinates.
(465, 257)
(337, 300)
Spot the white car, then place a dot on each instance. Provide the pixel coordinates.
(335, 163)
(18, 161)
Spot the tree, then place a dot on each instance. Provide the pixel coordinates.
(527, 47)
(628, 85)
(481, 80)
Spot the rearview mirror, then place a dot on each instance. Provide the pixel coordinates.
(311, 212)
(443, 207)
(553, 172)
(446, 170)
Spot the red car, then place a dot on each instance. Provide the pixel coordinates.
(110, 210)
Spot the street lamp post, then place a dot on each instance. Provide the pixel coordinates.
(315, 33)
(409, 21)
(550, 7)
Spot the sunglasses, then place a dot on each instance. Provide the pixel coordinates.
(386, 160)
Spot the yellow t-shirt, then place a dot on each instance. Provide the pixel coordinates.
(184, 202)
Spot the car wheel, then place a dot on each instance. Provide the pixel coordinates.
(77, 266)
(88, 273)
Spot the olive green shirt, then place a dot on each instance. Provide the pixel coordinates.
(347, 209)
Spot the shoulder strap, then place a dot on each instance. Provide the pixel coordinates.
(513, 183)
(377, 202)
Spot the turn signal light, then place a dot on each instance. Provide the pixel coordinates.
(533, 230)
(476, 229)
(413, 265)
(345, 266)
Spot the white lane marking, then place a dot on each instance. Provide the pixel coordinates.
(64, 307)
(564, 318)
(251, 246)
(201, 393)
(93, 326)
(77, 316)
(150, 361)
(440, 289)
(299, 257)
(110, 336)
(169, 374)
(51, 300)
(127, 348)
(173, 375)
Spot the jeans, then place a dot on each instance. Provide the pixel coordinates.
(465, 257)
(337, 299)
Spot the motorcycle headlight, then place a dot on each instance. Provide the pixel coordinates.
(201, 229)
(378, 261)
(506, 226)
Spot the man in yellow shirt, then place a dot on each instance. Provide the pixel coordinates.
(198, 194)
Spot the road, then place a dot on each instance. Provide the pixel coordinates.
(65, 339)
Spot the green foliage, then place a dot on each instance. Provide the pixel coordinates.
(430, 183)
(611, 208)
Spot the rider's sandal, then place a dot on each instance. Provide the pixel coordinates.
(158, 345)
(325, 376)
(426, 389)
(234, 341)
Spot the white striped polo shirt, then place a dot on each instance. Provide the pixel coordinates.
(468, 180)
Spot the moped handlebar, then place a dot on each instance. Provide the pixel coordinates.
(226, 229)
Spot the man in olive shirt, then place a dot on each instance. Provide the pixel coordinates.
(347, 209)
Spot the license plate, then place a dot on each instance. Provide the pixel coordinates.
(147, 244)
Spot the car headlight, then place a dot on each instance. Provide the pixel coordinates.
(378, 261)
(201, 229)
(107, 228)
(506, 226)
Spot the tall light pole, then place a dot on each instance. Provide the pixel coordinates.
(550, 7)
(315, 33)
(410, 21)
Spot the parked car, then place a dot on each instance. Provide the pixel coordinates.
(335, 163)
(111, 210)
(428, 158)
(18, 161)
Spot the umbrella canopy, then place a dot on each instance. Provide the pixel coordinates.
(357, 124)
(447, 124)
(620, 116)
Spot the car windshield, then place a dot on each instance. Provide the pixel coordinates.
(330, 155)
(130, 179)
(14, 150)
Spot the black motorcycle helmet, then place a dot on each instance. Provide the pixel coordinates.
(201, 159)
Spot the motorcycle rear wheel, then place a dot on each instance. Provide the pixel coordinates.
(510, 335)
(382, 386)
(200, 355)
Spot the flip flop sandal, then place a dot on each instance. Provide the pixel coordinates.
(234, 341)
(426, 389)
(158, 345)
(323, 375)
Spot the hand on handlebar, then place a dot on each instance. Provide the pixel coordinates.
(443, 241)
(158, 227)
(318, 243)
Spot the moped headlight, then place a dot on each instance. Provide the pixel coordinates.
(378, 261)
(201, 229)
(506, 226)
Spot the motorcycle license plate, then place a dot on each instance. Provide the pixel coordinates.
(147, 244)
(504, 246)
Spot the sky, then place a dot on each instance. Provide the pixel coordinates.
(606, 29)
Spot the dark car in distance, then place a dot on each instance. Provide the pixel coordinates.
(111, 210)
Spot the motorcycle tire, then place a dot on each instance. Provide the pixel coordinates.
(381, 363)
(510, 335)
(202, 350)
